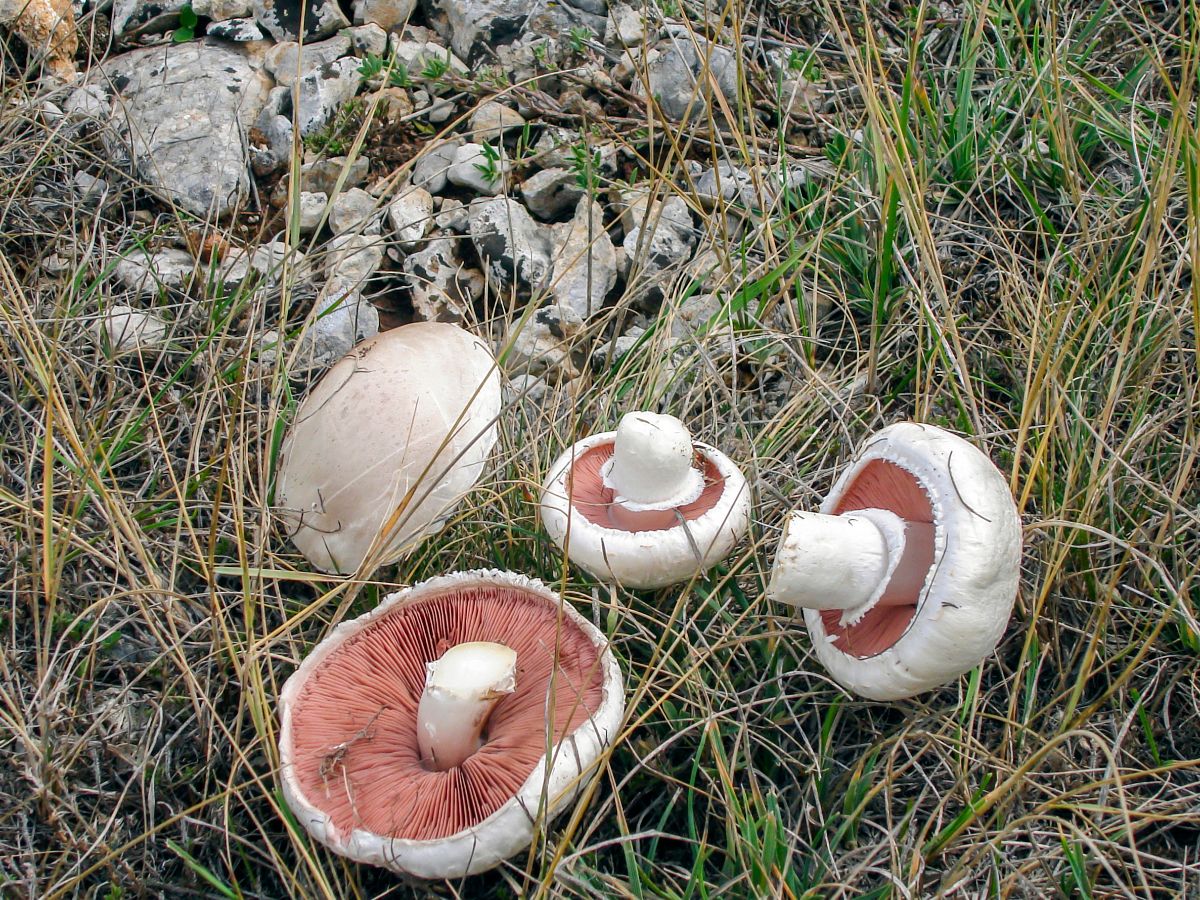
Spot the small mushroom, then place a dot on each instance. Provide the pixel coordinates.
(433, 734)
(645, 506)
(908, 574)
(386, 444)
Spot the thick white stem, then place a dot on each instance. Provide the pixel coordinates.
(461, 688)
(839, 562)
(651, 466)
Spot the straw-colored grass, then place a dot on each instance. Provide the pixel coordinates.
(997, 235)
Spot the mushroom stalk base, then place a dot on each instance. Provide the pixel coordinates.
(853, 562)
(461, 689)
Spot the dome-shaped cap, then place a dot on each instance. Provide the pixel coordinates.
(350, 763)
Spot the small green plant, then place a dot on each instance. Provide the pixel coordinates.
(188, 20)
(580, 36)
(436, 67)
(398, 75)
(586, 167)
(490, 168)
(371, 66)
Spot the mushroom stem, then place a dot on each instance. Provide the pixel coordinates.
(651, 471)
(461, 688)
(855, 561)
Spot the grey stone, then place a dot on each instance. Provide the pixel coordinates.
(727, 184)
(133, 17)
(354, 211)
(625, 26)
(525, 388)
(90, 189)
(183, 111)
(440, 283)
(611, 352)
(474, 26)
(561, 148)
(146, 274)
(270, 143)
(88, 102)
(585, 264)
(550, 192)
(416, 55)
(433, 164)
(681, 78)
(221, 10)
(411, 215)
(473, 169)
(440, 112)
(341, 318)
(595, 7)
(312, 207)
(544, 344)
(242, 31)
(388, 14)
(282, 18)
(288, 61)
(354, 257)
(453, 216)
(122, 329)
(265, 262)
(491, 120)
(322, 175)
(322, 91)
(515, 251)
(660, 235)
(370, 38)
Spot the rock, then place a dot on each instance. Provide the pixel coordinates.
(681, 69)
(611, 352)
(242, 31)
(585, 264)
(48, 29)
(453, 216)
(369, 39)
(514, 250)
(416, 56)
(88, 103)
(183, 110)
(491, 120)
(388, 14)
(289, 61)
(484, 171)
(563, 148)
(411, 215)
(90, 189)
(441, 284)
(221, 10)
(543, 344)
(265, 262)
(122, 329)
(281, 18)
(550, 192)
(595, 7)
(341, 317)
(625, 27)
(148, 274)
(133, 17)
(799, 98)
(433, 164)
(393, 104)
(322, 91)
(727, 184)
(312, 207)
(353, 258)
(322, 175)
(270, 143)
(440, 112)
(557, 18)
(659, 234)
(354, 211)
(474, 26)
(525, 388)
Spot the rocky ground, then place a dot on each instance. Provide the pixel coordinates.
(788, 224)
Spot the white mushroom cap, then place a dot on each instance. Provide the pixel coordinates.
(967, 596)
(552, 785)
(652, 558)
(401, 426)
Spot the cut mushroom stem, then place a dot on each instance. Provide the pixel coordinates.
(461, 689)
(853, 562)
(651, 472)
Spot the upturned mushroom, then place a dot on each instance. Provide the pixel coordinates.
(386, 445)
(908, 574)
(434, 734)
(645, 506)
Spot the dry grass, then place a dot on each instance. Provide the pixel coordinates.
(998, 236)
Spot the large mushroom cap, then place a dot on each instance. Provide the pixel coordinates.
(349, 756)
(958, 610)
(389, 439)
(581, 512)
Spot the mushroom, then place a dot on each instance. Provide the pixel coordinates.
(386, 444)
(433, 734)
(645, 506)
(908, 574)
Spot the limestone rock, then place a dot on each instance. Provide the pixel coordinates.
(282, 18)
(514, 249)
(411, 215)
(585, 264)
